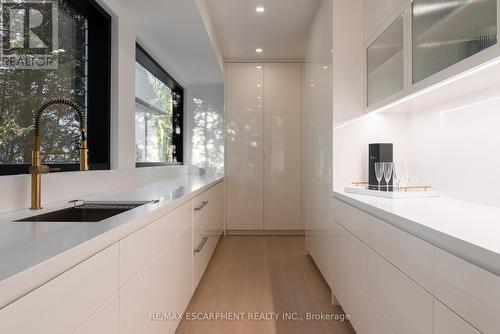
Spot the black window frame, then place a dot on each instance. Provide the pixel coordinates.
(98, 91)
(149, 63)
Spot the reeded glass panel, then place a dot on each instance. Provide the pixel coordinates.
(446, 32)
(385, 63)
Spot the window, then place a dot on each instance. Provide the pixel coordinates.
(158, 115)
(82, 75)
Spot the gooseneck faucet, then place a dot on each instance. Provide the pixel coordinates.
(37, 169)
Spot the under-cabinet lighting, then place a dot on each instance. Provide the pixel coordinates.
(469, 105)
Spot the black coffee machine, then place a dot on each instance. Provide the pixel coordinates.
(381, 152)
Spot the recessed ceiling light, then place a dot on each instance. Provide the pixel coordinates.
(259, 67)
(259, 85)
(260, 9)
(325, 67)
(259, 50)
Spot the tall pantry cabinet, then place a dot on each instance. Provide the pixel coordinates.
(263, 103)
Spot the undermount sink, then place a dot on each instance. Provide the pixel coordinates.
(88, 212)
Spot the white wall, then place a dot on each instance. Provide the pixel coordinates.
(204, 116)
(458, 150)
(15, 190)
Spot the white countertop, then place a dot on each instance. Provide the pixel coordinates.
(33, 253)
(468, 230)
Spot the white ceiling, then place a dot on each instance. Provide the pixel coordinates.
(175, 31)
(281, 31)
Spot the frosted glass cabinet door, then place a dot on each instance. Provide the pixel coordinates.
(446, 32)
(385, 70)
(245, 153)
(282, 94)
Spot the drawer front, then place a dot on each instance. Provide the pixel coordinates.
(62, 305)
(404, 304)
(446, 321)
(140, 247)
(413, 256)
(351, 218)
(150, 291)
(471, 292)
(347, 282)
(105, 320)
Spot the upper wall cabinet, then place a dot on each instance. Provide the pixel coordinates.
(445, 33)
(420, 43)
(385, 66)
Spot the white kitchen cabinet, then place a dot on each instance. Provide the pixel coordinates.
(162, 275)
(63, 304)
(446, 35)
(376, 13)
(105, 321)
(448, 322)
(409, 254)
(348, 275)
(404, 304)
(245, 146)
(263, 146)
(385, 63)
(282, 145)
(471, 292)
(206, 230)
(150, 291)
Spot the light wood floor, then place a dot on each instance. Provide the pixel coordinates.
(262, 274)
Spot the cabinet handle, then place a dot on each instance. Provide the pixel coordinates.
(201, 245)
(201, 206)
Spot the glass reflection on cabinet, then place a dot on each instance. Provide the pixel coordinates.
(385, 63)
(446, 32)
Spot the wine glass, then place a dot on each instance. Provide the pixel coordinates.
(379, 172)
(402, 173)
(396, 178)
(388, 167)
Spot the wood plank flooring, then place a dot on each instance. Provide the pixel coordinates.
(262, 274)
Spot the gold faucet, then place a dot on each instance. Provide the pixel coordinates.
(37, 169)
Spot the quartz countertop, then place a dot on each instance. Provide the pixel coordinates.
(468, 230)
(33, 253)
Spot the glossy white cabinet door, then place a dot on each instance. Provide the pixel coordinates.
(448, 322)
(468, 290)
(245, 146)
(141, 246)
(282, 146)
(66, 302)
(405, 305)
(182, 270)
(149, 291)
(105, 321)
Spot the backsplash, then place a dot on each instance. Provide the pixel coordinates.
(16, 190)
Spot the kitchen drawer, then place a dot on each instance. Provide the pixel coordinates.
(106, 320)
(448, 322)
(405, 306)
(151, 290)
(413, 256)
(140, 247)
(63, 304)
(203, 251)
(354, 220)
(348, 254)
(471, 292)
